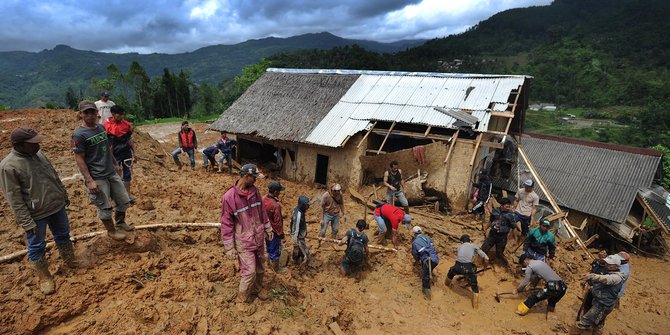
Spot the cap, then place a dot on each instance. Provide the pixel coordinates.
(545, 222)
(613, 260)
(336, 187)
(247, 169)
(275, 186)
(104, 94)
(465, 238)
(416, 230)
(86, 105)
(26, 135)
(406, 218)
(528, 183)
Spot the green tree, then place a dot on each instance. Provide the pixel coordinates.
(665, 163)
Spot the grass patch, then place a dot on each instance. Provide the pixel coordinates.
(204, 118)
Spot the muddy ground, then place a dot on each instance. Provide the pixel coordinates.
(177, 281)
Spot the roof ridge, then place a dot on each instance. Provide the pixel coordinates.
(595, 144)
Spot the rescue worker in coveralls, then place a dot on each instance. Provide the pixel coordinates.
(244, 224)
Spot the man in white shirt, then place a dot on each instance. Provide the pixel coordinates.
(104, 106)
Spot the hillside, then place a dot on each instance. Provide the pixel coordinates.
(32, 79)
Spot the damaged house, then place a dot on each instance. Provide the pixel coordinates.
(605, 189)
(345, 126)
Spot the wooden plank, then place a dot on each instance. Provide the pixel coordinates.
(474, 154)
(375, 151)
(554, 205)
(412, 134)
(492, 145)
(451, 146)
(462, 140)
(386, 138)
(554, 217)
(366, 135)
(427, 131)
(651, 213)
(516, 100)
(503, 114)
(495, 132)
(345, 141)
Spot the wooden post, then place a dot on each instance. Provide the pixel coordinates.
(474, 154)
(427, 131)
(553, 203)
(446, 160)
(386, 137)
(366, 135)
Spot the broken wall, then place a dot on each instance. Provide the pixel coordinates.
(434, 165)
(458, 180)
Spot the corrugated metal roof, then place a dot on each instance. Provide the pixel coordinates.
(599, 181)
(411, 98)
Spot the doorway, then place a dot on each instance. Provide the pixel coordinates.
(321, 176)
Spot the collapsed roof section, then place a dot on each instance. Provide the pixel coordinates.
(326, 107)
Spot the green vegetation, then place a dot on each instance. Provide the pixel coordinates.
(665, 181)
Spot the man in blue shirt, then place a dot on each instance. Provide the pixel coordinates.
(423, 250)
(226, 145)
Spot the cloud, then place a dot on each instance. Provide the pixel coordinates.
(172, 26)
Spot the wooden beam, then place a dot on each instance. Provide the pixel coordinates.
(412, 134)
(386, 138)
(651, 213)
(427, 131)
(372, 151)
(366, 135)
(451, 146)
(503, 114)
(554, 217)
(553, 203)
(474, 154)
(496, 132)
(509, 121)
(346, 140)
(492, 145)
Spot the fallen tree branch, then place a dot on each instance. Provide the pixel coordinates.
(22, 253)
(379, 247)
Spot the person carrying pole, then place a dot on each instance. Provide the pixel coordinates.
(356, 254)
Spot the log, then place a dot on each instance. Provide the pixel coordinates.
(378, 247)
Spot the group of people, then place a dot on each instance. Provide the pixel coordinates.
(103, 151)
(188, 144)
(252, 225)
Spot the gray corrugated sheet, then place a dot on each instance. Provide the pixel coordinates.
(658, 200)
(323, 107)
(587, 177)
(412, 98)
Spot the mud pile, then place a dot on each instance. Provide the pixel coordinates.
(177, 281)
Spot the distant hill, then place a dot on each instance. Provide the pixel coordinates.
(32, 79)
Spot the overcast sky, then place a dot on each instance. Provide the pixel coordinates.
(174, 26)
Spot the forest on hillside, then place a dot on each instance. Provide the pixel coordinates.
(604, 60)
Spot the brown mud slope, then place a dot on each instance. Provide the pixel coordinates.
(179, 282)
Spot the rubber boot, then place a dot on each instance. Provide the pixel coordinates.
(475, 300)
(447, 282)
(178, 162)
(427, 293)
(406, 209)
(112, 232)
(243, 297)
(120, 218)
(597, 330)
(47, 285)
(551, 308)
(522, 309)
(260, 291)
(67, 254)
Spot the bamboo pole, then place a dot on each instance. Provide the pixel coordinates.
(386, 137)
(379, 247)
(21, 253)
(553, 203)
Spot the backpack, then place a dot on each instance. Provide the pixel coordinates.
(356, 249)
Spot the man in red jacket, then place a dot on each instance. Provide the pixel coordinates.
(388, 218)
(188, 144)
(244, 224)
(272, 207)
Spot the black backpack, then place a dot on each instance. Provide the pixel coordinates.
(356, 248)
